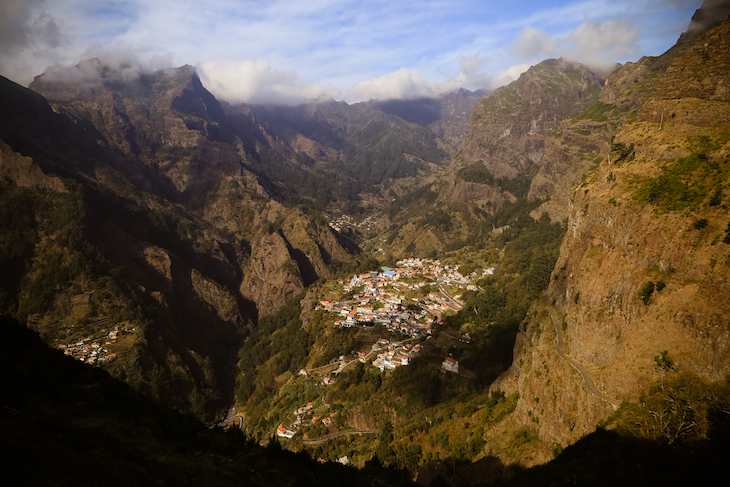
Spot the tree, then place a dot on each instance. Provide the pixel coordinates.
(663, 361)
(623, 150)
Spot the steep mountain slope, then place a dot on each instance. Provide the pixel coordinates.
(509, 127)
(151, 225)
(206, 161)
(90, 254)
(371, 150)
(143, 207)
(520, 147)
(65, 421)
(640, 287)
(189, 208)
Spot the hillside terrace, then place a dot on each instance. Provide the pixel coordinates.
(90, 349)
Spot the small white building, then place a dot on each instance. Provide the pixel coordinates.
(285, 433)
(450, 365)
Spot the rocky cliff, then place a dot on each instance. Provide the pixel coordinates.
(644, 267)
(527, 142)
(202, 156)
(510, 128)
(155, 227)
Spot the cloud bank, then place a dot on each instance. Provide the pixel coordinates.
(288, 51)
(409, 84)
(27, 35)
(123, 64)
(597, 44)
(255, 82)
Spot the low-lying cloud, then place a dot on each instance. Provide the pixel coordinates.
(298, 51)
(410, 83)
(123, 64)
(255, 82)
(28, 36)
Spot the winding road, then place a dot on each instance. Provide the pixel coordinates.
(586, 376)
(231, 419)
(341, 433)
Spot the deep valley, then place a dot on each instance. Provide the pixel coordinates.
(522, 287)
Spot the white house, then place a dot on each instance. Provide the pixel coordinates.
(285, 433)
(450, 365)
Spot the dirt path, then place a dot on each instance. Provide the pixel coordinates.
(586, 376)
(341, 433)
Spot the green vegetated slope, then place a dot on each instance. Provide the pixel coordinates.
(413, 404)
(350, 156)
(665, 176)
(512, 156)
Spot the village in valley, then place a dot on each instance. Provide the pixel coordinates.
(407, 301)
(395, 297)
(97, 349)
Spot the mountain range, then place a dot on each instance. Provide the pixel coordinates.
(185, 239)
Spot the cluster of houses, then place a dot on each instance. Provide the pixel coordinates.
(92, 350)
(381, 298)
(444, 273)
(346, 221)
(304, 416)
(394, 356)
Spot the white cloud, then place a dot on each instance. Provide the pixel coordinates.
(23, 24)
(601, 43)
(402, 84)
(410, 84)
(251, 81)
(508, 75)
(124, 64)
(598, 44)
(533, 43)
(337, 44)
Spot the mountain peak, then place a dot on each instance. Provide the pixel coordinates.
(711, 14)
(89, 76)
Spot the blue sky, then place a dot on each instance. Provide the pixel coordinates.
(295, 50)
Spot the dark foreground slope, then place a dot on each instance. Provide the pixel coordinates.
(63, 423)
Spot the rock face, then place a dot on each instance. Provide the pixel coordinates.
(510, 127)
(523, 143)
(644, 265)
(199, 155)
(24, 172)
(192, 245)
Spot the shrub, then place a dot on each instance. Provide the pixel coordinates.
(716, 199)
(646, 291)
(660, 285)
(623, 150)
(700, 224)
(677, 186)
(664, 361)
